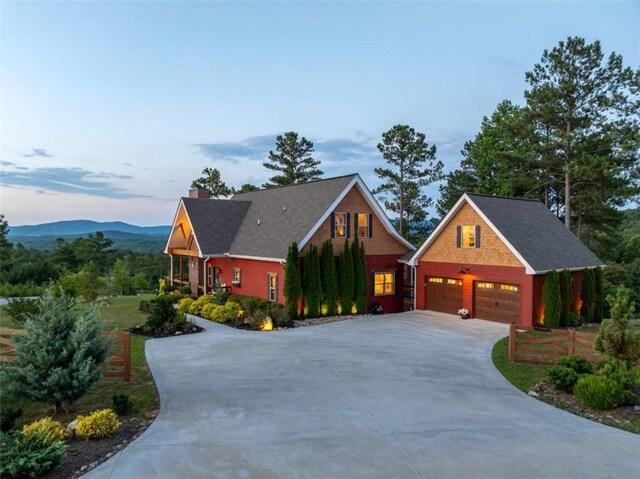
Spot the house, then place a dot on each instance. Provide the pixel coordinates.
(491, 255)
(240, 244)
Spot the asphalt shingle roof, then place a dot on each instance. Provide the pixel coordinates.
(279, 216)
(540, 238)
(215, 222)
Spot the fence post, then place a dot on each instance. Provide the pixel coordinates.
(571, 341)
(127, 355)
(513, 336)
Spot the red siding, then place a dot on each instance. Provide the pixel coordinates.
(254, 276)
(499, 274)
(379, 263)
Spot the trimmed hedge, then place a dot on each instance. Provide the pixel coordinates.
(598, 392)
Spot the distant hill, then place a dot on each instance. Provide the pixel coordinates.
(83, 227)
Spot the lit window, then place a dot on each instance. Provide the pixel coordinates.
(272, 287)
(485, 285)
(237, 276)
(363, 225)
(468, 236)
(435, 280)
(210, 275)
(509, 287)
(384, 283)
(340, 225)
(454, 282)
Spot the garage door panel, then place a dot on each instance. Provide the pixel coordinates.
(444, 294)
(497, 301)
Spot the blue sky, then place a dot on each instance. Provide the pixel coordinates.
(110, 110)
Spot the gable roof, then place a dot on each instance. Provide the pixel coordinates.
(533, 234)
(263, 223)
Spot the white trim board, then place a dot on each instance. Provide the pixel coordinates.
(173, 225)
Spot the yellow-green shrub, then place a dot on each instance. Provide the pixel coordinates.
(185, 304)
(207, 309)
(51, 429)
(101, 423)
(224, 314)
(198, 304)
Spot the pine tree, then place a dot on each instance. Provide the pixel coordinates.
(292, 283)
(69, 349)
(620, 343)
(329, 277)
(566, 297)
(598, 304)
(211, 180)
(361, 299)
(551, 300)
(345, 273)
(293, 160)
(587, 295)
(312, 283)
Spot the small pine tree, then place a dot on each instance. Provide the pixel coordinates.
(345, 275)
(361, 299)
(598, 303)
(292, 283)
(615, 339)
(566, 297)
(69, 349)
(587, 295)
(312, 288)
(551, 300)
(329, 277)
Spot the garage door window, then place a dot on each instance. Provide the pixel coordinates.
(485, 285)
(384, 283)
(509, 287)
(435, 280)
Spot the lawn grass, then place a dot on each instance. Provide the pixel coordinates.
(521, 375)
(119, 314)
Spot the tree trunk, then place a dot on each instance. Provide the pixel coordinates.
(401, 197)
(567, 179)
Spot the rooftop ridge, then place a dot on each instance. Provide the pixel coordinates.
(294, 184)
(503, 197)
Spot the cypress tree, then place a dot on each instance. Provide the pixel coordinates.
(357, 271)
(312, 283)
(361, 300)
(598, 306)
(292, 285)
(329, 277)
(346, 279)
(587, 295)
(566, 296)
(551, 300)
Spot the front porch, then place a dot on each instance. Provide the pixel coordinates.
(200, 274)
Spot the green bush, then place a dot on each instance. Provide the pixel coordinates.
(196, 307)
(9, 290)
(8, 418)
(562, 377)
(225, 314)
(184, 290)
(122, 405)
(29, 456)
(574, 320)
(577, 363)
(185, 303)
(597, 392)
(20, 309)
(551, 300)
(628, 377)
(220, 298)
(162, 316)
(628, 398)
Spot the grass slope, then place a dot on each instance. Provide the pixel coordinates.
(521, 375)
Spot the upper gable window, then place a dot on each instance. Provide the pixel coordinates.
(340, 225)
(468, 236)
(364, 230)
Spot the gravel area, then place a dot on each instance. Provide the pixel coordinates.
(325, 320)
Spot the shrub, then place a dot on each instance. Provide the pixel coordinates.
(312, 289)
(184, 290)
(10, 290)
(597, 392)
(628, 398)
(329, 279)
(49, 429)
(163, 315)
(220, 297)
(598, 298)
(29, 456)
(562, 377)
(551, 300)
(615, 339)
(345, 279)
(185, 303)
(574, 320)
(225, 314)
(122, 405)
(8, 418)
(69, 350)
(144, 307)
(577, 363)
(292, 281)
(167, 288)
(628, 377)
(21, 309)
(207, 310)
(101, 423)
(196, 307)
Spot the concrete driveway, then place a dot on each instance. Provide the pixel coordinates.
(398, 396)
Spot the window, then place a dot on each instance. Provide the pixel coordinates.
(237, 276)
(509, 287)
(484, 285)
(340, 228)
(363, 225)
(272, 287)
(210, 280)
(468, 236)
(435, 280)
(384, 283)
(454, 282)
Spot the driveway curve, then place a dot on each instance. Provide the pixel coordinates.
(411, 395)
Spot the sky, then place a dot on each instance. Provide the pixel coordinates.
(109, 110)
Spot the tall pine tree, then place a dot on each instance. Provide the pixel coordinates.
(211, 181)
(293, 160)
(329, 277)
(292, 283)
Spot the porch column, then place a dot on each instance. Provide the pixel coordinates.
(171, 269)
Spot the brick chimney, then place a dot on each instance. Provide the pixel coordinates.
(199, 193)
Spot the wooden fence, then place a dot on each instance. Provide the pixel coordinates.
(524, 346)
(118, 364)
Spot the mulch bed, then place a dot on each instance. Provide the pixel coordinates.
(83, 456)
(140, 331)
(325, 320)
(624, 417)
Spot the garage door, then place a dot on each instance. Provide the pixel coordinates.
(496, 301)
(444, 294)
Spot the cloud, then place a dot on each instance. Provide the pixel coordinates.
(38, 152)
(7, 163)
(69, 180)
(252, 148)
